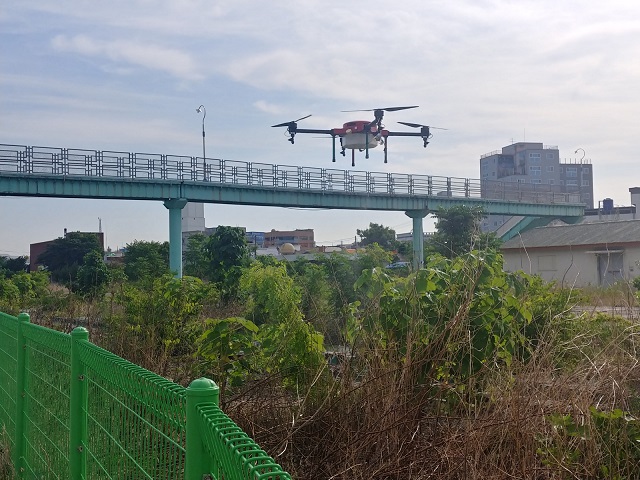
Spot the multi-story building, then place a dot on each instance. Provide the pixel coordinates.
(535, 168)
(304, 238)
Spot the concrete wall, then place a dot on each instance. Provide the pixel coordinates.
(578, 267)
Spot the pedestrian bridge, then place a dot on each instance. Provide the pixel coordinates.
(75, 173)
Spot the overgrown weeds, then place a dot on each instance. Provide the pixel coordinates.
(442, 382)
(458, 371)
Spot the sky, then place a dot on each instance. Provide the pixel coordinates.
(128, 75)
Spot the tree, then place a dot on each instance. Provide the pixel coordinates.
(10, 265)
(270, 294)
(289, 345)
(196, 259)
(458, 232)
(373, 257)
(64, 255)
(146, 260)
(228, 253)
(383, 236)
(316, 304)
(93, 275)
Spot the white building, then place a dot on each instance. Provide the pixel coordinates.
(598, 254)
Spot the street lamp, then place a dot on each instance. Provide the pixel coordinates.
(203, 110)
(583, 153)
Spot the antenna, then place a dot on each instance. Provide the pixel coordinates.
(99, 225)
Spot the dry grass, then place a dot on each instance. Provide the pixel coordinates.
(386, 426)
(6, 467)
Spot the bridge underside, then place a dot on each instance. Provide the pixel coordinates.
(161, 190)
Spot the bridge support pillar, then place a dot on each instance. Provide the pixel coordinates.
(175, 206)
(418, 236)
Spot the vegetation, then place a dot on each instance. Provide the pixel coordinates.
(343, 369)
(143, 260)
(63, 256)
(383, 236)
(458, 231)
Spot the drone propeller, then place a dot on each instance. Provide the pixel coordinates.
(286, 124)
(418, 125)
(292, 127)
(378, 113)
(387, 109)
(424, 130)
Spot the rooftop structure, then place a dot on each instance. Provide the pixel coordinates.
(536, 167)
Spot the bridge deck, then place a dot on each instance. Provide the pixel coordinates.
(74, 173)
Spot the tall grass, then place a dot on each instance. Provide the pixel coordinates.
(568, 409)
(413, 406)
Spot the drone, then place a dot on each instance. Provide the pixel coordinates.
(361, 135)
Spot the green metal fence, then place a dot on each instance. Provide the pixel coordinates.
(74, 410)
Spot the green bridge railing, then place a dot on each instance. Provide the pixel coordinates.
(71, 409)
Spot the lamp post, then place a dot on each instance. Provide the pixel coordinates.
(583, 153)
(203, 110)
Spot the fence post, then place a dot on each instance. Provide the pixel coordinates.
(197, 462)
(21, 355)
(77, 408)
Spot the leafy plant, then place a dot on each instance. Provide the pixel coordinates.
(227, 345)
(600, 444)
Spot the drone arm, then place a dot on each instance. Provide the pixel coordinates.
(313, 130)
(424, 134)
(405, 134)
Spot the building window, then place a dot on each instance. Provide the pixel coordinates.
(585, 170)
(534, 155)
(549, 168)
(549, 156)
(561, 182)
(534, 170)
(536, 180)
(547, 263)
(572, 172)
(522, 180)
(585, 183)
(560, 169)
(551, 182)
(572, 183)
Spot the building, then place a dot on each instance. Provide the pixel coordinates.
(255, 238)
(535, 168)
(303, 238)
(37, 249)
(598, 253)
(608, 212)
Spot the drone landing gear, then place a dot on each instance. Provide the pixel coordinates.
(333, 138)
(353, 157)
(385, 141)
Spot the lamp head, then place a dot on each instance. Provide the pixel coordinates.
(200, 109)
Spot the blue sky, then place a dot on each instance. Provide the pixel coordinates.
(129, 75)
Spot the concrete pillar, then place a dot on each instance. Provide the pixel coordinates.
(175, 206)
(418, 236)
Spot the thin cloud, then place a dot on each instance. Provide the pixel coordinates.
(175, 62)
